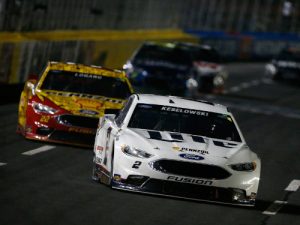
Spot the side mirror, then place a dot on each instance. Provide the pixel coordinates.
(31, 83)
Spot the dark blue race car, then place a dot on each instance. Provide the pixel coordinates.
(177, 67)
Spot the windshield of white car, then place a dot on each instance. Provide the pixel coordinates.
(86, 83)
(184, 120)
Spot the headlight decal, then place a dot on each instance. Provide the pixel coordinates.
(131, 151)
(40, 108)
(249, 167)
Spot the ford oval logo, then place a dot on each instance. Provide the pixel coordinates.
(191, 156)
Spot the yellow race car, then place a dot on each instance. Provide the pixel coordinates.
(65, 103)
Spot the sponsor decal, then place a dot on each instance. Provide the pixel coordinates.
(81, 95)
(202, 152)
(176, 148)
(99, 148)
(199, 151)
(191, 156)
(89, 103)
(88, 112)
(136, 164)
(190, 180)
(45, 119)
(87, 75)
(184, 111)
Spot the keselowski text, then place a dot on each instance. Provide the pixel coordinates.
(185, 111)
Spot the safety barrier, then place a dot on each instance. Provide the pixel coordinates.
(248, 46)
(22, 54)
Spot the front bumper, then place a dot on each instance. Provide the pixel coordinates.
(64, 137)
(62, 129)
(149, 185)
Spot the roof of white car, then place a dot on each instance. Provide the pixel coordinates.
(180, 102)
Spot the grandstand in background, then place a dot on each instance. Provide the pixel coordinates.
(106, 32)
(205, 15)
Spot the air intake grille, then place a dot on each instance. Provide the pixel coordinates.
(78, 121)
(182, 168)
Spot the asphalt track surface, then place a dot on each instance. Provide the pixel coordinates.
(52, 184)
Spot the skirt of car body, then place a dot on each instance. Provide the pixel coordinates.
(176, 147)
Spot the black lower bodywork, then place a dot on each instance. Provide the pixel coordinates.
(184, 190)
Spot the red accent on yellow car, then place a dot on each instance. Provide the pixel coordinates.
(65, 103)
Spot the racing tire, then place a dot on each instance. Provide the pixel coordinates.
(95, 177)
(109, 183)
(277, 77)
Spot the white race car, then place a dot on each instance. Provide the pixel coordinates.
(172, 146)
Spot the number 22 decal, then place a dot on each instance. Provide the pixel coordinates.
(136, 164)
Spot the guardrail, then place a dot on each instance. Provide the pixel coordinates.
(22, 54)
(248, 46)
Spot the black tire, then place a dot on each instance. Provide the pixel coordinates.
(112, 167)
(94, 174)
(277, 77)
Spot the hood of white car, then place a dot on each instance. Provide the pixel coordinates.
(182, 144)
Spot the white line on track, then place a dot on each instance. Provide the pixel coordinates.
(234, 89)
(38, 150)
(248, 84)
(267, 81)
(257, 108)
(274, 208)
(293, 186)
(2, 164)
(277, 205)
(254, 82)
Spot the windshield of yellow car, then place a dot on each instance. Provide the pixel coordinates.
(85, 83)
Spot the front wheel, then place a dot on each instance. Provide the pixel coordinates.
(277, 77)
(95, 176)
(99, 176)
